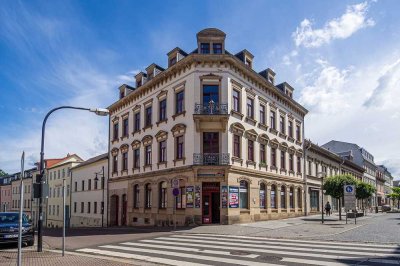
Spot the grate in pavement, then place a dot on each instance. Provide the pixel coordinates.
(269, 258)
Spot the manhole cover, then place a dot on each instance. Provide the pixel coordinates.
(240, 253)
(270, 258)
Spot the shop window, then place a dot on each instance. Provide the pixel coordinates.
(163, 195)
(273, 197)
(148, 196)
(181, 199)
(299, 201)
(244, 195)
(291, 198)
(263, 204)
(283, 197)
(136, 194)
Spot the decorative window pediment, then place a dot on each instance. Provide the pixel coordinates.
(237, 128)
(162, 94)
(136, 108)
(114, 151)
(244, 178)
(236, 84)
(274, 143)
(250, 92)
(292, 150)
(263, 138)
(115, 119)
(125, 115)
(299, 152)
(210, 76)
(147, 140)
(178, 129)
(124, 147)
(136, 144)
(251, 134)
(161, 135)
(283, 146)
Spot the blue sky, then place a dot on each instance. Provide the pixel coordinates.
(342, 58)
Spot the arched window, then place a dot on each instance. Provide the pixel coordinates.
(244, 195)
(147, 189)
(263, 204)
(299, 201)
(283, 197)
(163, 194)
(136, 196)
(291, 198)
(273, 197)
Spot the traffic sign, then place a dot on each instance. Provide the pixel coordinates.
(349, 189)
(175, 192)
(349, 197)
(175, 183)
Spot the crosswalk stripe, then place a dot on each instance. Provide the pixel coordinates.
(271, 249)
(310, 244)
(307, 241)
(191, 256)
(206, 251)
(138, 257)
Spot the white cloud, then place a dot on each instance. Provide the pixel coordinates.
(343, 27)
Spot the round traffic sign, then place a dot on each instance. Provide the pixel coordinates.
(349, 189)
(175, 191)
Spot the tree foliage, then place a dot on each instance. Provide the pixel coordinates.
(395, 195)
(364, 190)
(2, 173)
(334, 185)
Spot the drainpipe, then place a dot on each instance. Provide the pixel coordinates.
(305, 149)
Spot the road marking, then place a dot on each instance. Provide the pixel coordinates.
(184, 255)
(309, 241)
(137, 257)
(319, 246)
(216, 252)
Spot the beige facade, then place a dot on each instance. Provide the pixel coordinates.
(89, 192)
(230, 136)
(16, 194)
(55, 176)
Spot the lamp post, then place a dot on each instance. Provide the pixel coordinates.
(102, 187)
(97, 111)
(322, 175)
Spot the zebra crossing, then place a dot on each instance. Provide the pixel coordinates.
(212, 249)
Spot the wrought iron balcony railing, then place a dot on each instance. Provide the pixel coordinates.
(211, 108)
(211, 158)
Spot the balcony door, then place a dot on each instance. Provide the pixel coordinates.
(210, 142)
(210, 92)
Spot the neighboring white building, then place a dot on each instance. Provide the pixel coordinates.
(89, 192)
(55, 175)
(230, 136)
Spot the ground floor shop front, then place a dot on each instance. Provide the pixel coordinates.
(212, 195)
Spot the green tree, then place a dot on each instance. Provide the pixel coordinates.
(395, 195)
(334, 187)
(364, 191)
(2, 173)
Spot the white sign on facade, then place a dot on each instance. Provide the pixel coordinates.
(175, 183)
(349, 197)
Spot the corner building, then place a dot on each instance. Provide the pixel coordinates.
(229, 134)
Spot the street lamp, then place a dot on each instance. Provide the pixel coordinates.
(102, 187)
(97, 111)
(322, 175)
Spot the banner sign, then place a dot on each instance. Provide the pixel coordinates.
(189, 197)
(224, 197)
(233, 197)
(197, 197)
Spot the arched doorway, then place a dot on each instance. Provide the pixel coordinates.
(124, 209)
(114, 206)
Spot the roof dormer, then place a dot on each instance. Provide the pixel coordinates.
(286, 89)
(175, 56)
(211, 41)
(246, 57)
(153, 70)
(269, 75)
(141, 79)
(125, 90)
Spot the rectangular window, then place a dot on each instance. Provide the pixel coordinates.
(90, 184)
(291, 163)
(95, 207)
(67, 190)
(115, 130)
(179, 147)
(282, 124)
(217, 48)
(163, 151)
(204, 48)
(262, 114)
(115, 164)
(181, 199)
(309, 167)
(137, 122)
(58, 210)
(82, 207)
(136, 196)
(272, 122)
(163, 110)
(263, 157)
(250, 150)
(298, 137)
(180, 98)
(63, 173)
(290, 129)
(172, 61)
(273, 157)
(236, 100)
(148, 114)
(148, 155)
(236, 146)
(75, 207)
(136, 158)
(250, 110)
(299, 165)
(283, 162)
(83, 185)
(95, 184)
(124, 161)
(125, 127)
(88, 207)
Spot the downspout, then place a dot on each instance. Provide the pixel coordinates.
(305, 149)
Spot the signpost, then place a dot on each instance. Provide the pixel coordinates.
(350, 200)
(21, 207)
(175, 192)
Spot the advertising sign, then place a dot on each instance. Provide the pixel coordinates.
(224, 197)
(197, 197)
(233, 197)
(189, 197)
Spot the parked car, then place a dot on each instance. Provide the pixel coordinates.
(9, 225)
(386, 208)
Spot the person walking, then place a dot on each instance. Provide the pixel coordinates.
(328, 209)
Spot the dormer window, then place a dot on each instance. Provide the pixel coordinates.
(121, 94)
(205, 48)
(248, 62)
(172, 61)
(217, 48)
(138, 83)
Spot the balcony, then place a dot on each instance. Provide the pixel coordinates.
(211, 158)
(211, 116)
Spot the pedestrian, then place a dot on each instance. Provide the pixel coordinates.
(328, 209)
